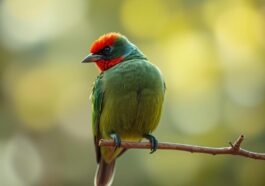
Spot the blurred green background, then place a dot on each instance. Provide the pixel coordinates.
(212, 55)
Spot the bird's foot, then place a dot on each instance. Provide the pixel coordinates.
(117, 140)
(153, 141)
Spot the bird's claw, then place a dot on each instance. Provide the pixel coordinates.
(153, 141)
(117, 140)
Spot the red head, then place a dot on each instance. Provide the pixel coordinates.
(109, 50)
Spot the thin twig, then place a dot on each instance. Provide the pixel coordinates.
(234, 148)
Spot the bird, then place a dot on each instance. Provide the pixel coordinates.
(127, 99)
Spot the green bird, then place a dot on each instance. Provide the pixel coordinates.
(127, 99)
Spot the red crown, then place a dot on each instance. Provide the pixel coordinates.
(103, 41)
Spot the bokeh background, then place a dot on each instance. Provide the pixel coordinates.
(212, 55)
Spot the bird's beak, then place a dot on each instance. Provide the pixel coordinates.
(91, 58)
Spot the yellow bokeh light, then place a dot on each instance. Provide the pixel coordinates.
(241, 28)
(35, 96)
(192, 72)
(25, 23)
(145, 19)
(240, 35)
(73, 108)
(37, 92)
(191, 62)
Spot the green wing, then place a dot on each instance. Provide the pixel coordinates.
(97, 99)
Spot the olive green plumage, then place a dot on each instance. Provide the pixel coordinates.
(127, 99)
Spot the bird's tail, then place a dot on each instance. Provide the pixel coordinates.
(105, 173)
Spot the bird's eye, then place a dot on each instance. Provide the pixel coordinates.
(106, 50)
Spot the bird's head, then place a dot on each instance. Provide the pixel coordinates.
(109, 50)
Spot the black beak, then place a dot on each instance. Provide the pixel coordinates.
(91, 58)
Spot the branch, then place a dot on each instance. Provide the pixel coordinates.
(234, 148)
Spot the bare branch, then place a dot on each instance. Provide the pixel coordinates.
(234, 148)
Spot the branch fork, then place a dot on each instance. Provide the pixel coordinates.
(235, 147)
